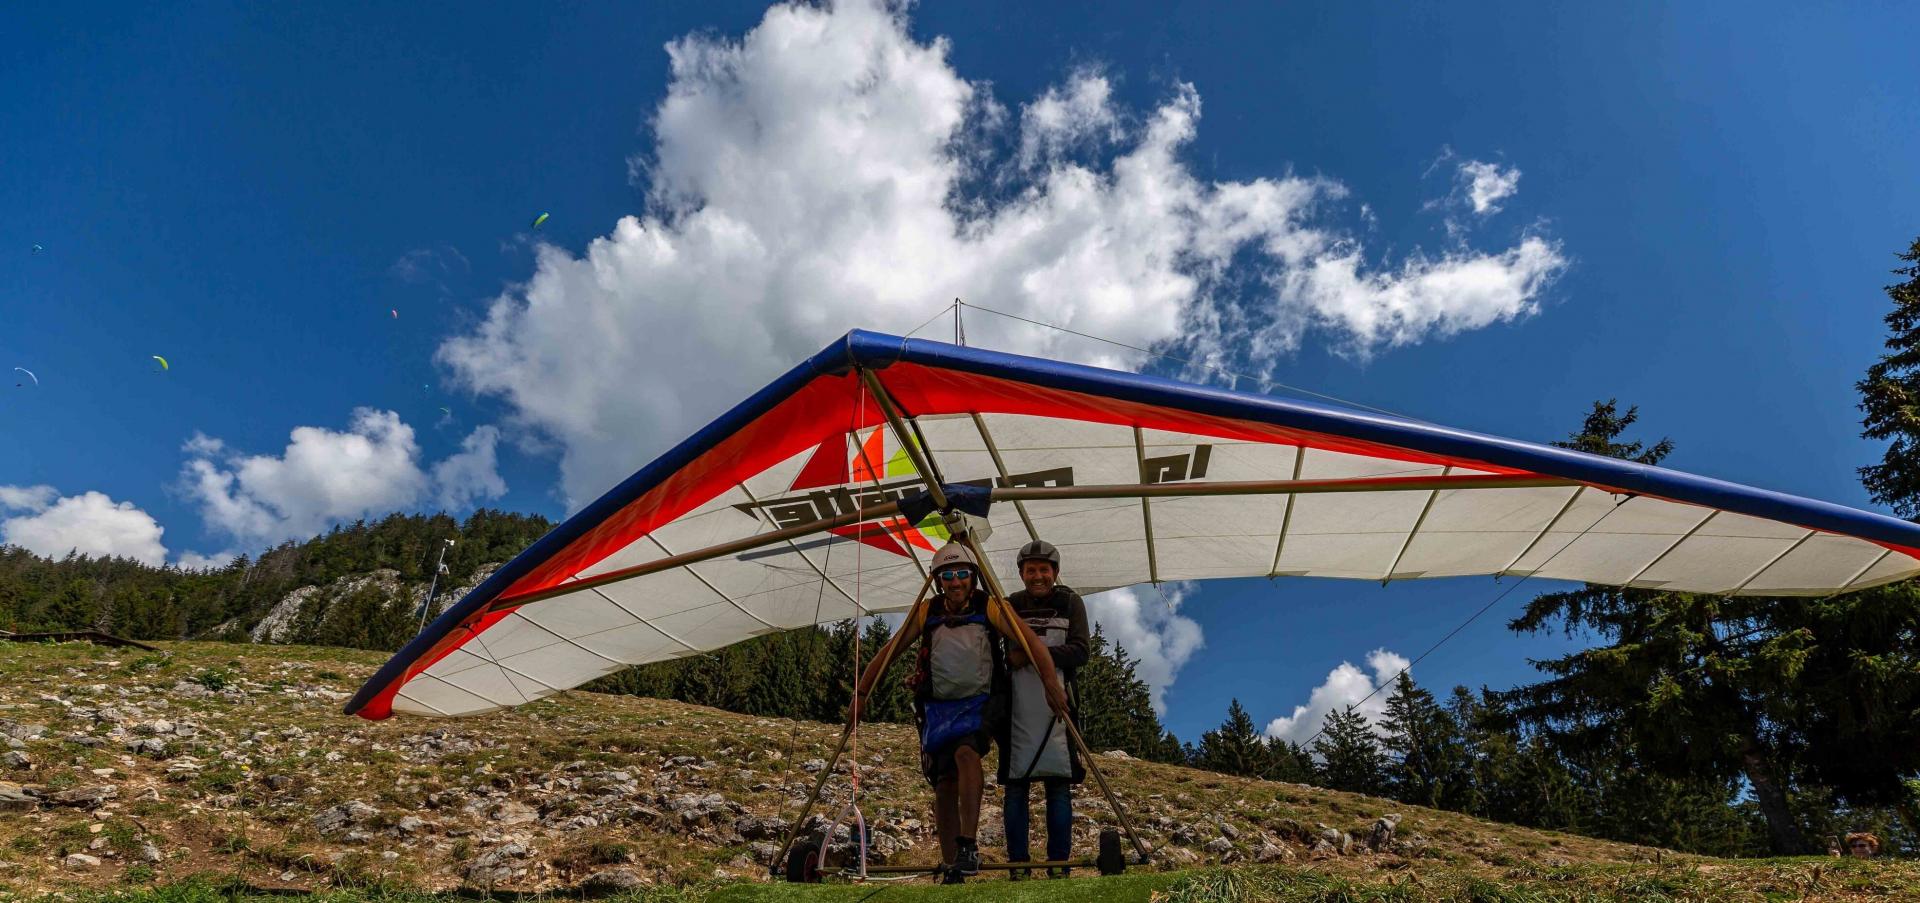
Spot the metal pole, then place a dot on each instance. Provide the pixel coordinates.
(434, 585)
(998, 597)
(914, 452)
(853, 720)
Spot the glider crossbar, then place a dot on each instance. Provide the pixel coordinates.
(1041, 494)
(745, 544)
(1277, 487)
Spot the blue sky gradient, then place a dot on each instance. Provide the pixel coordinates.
(240, 188)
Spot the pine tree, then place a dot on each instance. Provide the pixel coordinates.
(1116, 706)
(1287, 761)
(1890, 396)
(1350, 755)
(1235, 747)
(1691, 686)
(1422, 745)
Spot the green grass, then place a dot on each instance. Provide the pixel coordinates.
(1763, 881)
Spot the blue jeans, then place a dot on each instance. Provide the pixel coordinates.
(1059, 819)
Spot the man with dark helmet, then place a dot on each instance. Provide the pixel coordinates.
(960, 684)
(1034, 745)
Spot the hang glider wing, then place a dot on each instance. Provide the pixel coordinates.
(787, 511)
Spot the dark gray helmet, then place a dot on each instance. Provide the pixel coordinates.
(1040, 550)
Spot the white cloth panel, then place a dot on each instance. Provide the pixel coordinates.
(1102, 542)
(1198, 538)
(1479, 531)
(1350, 534)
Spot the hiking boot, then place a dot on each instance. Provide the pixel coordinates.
(1019, 874)
(966, 860)
(1059, 873)
(952, 876)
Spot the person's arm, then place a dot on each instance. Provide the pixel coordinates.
(1074, 653)
(1001, 615)
(908, 633)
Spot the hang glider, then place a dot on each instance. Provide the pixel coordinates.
(809, 503)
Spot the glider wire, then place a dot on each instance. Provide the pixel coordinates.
(1475, 617)
(1262, 380)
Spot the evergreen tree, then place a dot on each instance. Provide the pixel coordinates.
(1235, 747)
(1350, 756)
(1287, 761)
(1116, 706)
(1694, 687)
(1890, 396)
(1422, 745)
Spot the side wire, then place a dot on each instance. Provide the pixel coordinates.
(1476, 615)
(1260, 380)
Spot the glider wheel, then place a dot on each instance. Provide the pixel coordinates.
(1110, 861)
(803, 862)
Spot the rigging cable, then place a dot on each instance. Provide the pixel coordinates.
(1476, 615)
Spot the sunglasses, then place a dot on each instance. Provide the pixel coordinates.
(955, 574)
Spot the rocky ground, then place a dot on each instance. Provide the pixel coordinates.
(126, 768)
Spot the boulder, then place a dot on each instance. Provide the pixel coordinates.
(14, 798)
(337, 818)
(85, 796)
(81, 861)
(613, 880)
(1268, 851)
(1381, 836)
(513, 812)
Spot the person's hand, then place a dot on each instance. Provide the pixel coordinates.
(1017, 659)
(1057, 698)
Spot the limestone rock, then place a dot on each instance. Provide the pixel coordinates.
(1381, 837)
(85, 796)
(1268, 851)
(337, 818)
(514, 813)
(613, 880)
(81, 861)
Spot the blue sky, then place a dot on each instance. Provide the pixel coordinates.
(254, 192)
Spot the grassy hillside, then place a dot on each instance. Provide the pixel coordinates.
(214, 763)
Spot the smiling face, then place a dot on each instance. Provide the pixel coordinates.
(1039, 576)
(956, 585)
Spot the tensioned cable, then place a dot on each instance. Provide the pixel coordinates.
(1262, 380)
(1476, 616)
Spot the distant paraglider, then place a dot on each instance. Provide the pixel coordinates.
(163, 363)
(396, 313)
(29, 373)
(37, 249)
(539, 221)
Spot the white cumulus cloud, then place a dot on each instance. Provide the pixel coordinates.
(1487, 184)
(195, 561)
(1345, 686)
(472, 474)
(325, 476)
(1153, 631)
(89, 523)
(826, 171)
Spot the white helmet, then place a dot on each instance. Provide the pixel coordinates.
(955, 553)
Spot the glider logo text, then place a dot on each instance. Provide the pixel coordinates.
(820, 504)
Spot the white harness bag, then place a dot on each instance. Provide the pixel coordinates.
(960, 662)
(1036, 740)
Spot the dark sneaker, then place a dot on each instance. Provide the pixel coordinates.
(1019, 874)
(952, 876)
(966, 859)
(1059, 873)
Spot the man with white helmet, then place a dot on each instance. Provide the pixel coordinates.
(961, 686)
(1034, 745)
